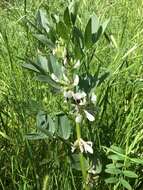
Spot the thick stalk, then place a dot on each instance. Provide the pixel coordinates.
(81, 157)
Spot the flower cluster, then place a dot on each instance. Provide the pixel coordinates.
(80, 102)
(78, 99)
(84, 146)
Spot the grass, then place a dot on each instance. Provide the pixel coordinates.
(29, 165)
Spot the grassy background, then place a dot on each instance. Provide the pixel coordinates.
(35, 165)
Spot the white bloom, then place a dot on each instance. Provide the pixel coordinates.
(92, 170)
(78, 118)
(88, 147)
(65, 61)
(79, 95)
(84, 146)
(82, 102)
(68, 94)
(89, 116)
(93, 98)
(54, 52)
(54, 77)
(76, 80)
(83, 94)
(77, 65)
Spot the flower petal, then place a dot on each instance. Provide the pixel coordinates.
(88, 148)
(92, 170)
(82, 102)
(89, 116)
(81, 148)
(65, 61)
(73, 149)
(68, 94)
(79, 95)
(77, 65)
(76, 80)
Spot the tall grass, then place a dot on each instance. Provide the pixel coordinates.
(29, 165)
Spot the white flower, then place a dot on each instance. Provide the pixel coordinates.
(82, 102)
(93, 98)
(88, 147)
(79, 95)
(78, 118)
(68, 94)
(76, 80)
(54, 52)
(84, 146)
(89, 116)
(80, 98)
(92, 170)
(54, 77)
(77, 65)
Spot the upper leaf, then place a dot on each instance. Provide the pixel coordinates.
(42, 19)
(55, 67)
(67, 19)
(73, 7)
(62, 30)
(43, 62)
(88, 34)
(94, 24)
(104, 25)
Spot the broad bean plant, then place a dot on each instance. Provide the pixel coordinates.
(65, 62)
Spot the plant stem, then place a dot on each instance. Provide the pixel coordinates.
(81, 157)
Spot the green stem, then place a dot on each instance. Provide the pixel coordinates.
(84, 175)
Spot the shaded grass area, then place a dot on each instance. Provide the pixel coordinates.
(43, 164)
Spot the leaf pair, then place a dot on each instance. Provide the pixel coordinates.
(51, 128)
(94, 30)
(44, 67)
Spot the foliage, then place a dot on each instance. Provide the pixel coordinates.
(36, 129)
